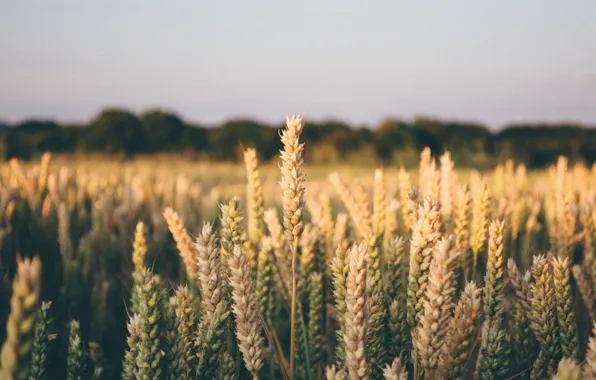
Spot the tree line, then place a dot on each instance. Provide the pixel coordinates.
(120, 133)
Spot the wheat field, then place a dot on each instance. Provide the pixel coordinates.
(180, 270)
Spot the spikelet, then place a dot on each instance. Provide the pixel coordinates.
(231, 234)
(494, 281)
(355, 316)
(41, 343)
(479, 227)
(430, 336)
(396, 371)
(169, 338)
(340, 267)
(213, 342)
(246, 310)
(523, 345)
(183, 241)
(568, 370)
(461, 333)
(265, 285)
(425, 234)
(395, 264)
(590, 365)
(255, 197)
(379, 203)
(376, 311)
(184, 360)
(227, 367)
(150, 300)
(209, 271)
(15, 358)
(76, 362)
(315, 322)
(332, 373)
(292, 177)
(399, 341)
(544, 318)
(131, 366)
(565, 315)
(494, 359)
(139, 247)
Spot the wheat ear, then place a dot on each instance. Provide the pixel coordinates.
(15, 357)
(355, 317)
(246, 311)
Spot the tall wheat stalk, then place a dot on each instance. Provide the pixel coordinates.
(292, 184)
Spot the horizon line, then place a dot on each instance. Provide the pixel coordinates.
(354, 124)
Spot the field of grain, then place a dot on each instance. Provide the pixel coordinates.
(157, 269)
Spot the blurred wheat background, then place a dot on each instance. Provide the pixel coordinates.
(155, 270)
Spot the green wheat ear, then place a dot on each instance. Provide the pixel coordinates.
(77, 354)
(315, 322)
(151, 324)
(131, 369)
(41, 343)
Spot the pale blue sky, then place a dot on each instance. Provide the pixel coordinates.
(489, 61)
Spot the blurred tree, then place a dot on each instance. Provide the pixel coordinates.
(164, 131)
(116, 131)
(392, 135)
(29, 138)
(194, 139)
(227, 142)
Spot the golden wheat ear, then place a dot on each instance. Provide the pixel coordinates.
(15, 358)
(255, 197)
(183, 241)
(246, 309)
(356, 319)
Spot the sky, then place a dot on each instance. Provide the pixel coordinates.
(493, 62)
